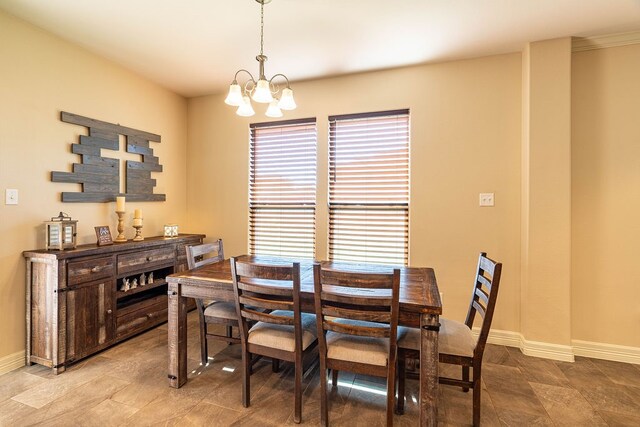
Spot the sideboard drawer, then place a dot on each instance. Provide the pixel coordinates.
(147, 260)
(89, 270)
(139, 320)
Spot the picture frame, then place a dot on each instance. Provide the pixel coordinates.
(103, 234)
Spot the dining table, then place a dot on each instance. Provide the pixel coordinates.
(420, 307)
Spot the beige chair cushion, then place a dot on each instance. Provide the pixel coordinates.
(282, 336)
(354, 348)
(221, 310)
(454, 338)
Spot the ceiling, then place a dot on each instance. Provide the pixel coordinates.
(194, 47)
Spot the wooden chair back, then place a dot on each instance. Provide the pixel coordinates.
(206, 253)
(371, 297)
(483, 298)
(261, 288)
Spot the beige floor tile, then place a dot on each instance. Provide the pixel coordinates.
(618, 372)
(566, 406)
(207, 414)
(619, 420)
(16, 382)
(106, 413)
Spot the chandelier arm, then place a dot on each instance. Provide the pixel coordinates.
(280, 74)
(235, 78)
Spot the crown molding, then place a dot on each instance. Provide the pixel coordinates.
(579, 44)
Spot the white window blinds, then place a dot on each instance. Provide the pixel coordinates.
(282, 188)
(369, 187)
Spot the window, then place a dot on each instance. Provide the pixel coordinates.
(369, 187)
(282, 188)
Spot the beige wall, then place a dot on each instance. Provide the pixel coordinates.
(40, 75)
(546, 192)
(465, 139)
(606, 195)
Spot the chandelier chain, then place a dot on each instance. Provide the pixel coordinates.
(261, 28)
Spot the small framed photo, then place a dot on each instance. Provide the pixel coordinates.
(104, 235)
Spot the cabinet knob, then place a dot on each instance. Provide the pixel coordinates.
(95, 269)
(149, 258)
(109, 311)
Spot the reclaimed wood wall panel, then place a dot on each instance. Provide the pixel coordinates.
(100, 176)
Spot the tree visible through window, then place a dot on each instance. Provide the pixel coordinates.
(282, 188)
(369, 187)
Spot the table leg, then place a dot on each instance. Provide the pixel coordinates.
(429, 369)
(177, 336)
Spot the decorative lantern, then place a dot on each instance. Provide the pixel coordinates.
(60, 232)
(171, 230)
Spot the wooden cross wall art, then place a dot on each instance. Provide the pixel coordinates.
(100, 176)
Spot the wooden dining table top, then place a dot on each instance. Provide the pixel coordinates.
(418, 287)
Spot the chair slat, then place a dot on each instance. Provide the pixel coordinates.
(478, 308)
(262, 287)
(363, 331)
(486, 282)
(265, 317)
(270, 304)
(355, 298)
(487, 265)
(369, 316)
(483, 296)
(368, 280)
(214, 249)
(270, 272)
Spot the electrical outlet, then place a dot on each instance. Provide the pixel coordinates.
(11, 196)
(486, 199)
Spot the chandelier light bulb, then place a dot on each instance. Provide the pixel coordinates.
(262, 92)
(274, 110)
(245, 109)
(234, 98)
(286, 101)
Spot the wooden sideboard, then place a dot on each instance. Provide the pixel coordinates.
(75, 305)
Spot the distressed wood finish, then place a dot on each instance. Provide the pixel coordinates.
(263, 287)
(198, 256)
(483, 301)
(419, 298)
(73, 307)
(334, 296)
(100, 176)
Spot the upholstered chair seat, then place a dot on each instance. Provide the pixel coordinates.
(282, 336)
(455, 338)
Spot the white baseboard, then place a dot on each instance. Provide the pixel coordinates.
(597, 350)
(530, 348)
(547, 350)
(12, 361)
(565, 353)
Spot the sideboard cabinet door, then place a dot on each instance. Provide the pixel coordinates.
(90, 320)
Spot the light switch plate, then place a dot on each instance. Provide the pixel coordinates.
(11, 196)
(486, 199)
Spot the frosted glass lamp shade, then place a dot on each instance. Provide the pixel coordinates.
(245, 109)
(262, 92)
(234, 97)
(286, 101)
(274, 110)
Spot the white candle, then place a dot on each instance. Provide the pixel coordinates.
(137, 213)
(137, 221)
(120, 203)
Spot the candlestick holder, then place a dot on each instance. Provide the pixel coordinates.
(138, 233)
(121, 238)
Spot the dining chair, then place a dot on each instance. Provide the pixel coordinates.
(456, 342)
(285, 333)
(357, 320)
(212, 312)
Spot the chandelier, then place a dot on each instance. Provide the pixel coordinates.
(263, 91)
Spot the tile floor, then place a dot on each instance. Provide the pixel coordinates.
(127, 385)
